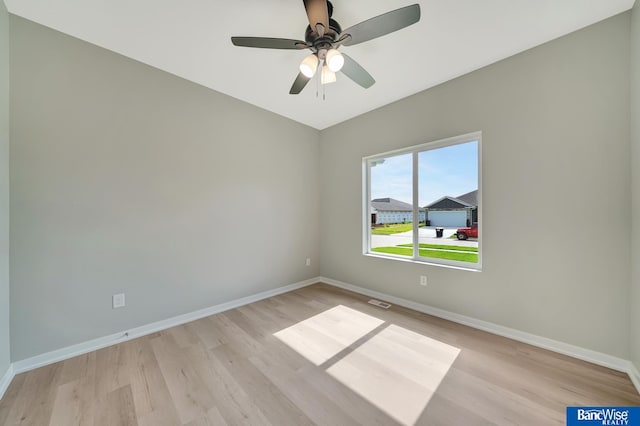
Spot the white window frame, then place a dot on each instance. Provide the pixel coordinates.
(414, 151)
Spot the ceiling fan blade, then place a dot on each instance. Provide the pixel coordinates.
(317, 12)
(269, 43)
(382, 24)
(299, 83)
(355, 72)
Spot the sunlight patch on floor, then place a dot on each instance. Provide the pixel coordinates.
(325, 335)
(395, 369)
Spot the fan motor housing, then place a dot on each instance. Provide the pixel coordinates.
(311, 36)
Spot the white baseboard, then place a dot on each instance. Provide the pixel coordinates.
(589, 355)
(6, 379)
(102, 342)
(634, 375)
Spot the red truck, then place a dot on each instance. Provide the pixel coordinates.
(464, 233)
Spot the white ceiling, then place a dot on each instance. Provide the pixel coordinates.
(191, 39)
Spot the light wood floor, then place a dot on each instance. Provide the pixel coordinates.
(318, 355)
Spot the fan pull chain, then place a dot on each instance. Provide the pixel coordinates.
(321, 67)
(318, 78)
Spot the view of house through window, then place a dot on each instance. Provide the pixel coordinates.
(423, 202)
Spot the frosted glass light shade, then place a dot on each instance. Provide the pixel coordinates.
(309, 65)
(334, 60)
(327, 75)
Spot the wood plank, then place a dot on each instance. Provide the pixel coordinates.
(233, 403)
(116, 408)
(74, 403)
(77, 368)
(189, 393)
(149, 389)
(265, 395)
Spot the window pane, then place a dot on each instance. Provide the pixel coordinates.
(442, 178)
(391, 209)
(448, 193)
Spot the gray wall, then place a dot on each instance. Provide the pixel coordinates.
(128, 179)
(556, 184)
(4, 190)
(635, 184)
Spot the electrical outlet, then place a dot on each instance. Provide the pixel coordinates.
(308, 261)
(118, 300)
(423, 280)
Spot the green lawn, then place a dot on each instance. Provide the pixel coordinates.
(393, 228)
(463, 256)
(443, 246)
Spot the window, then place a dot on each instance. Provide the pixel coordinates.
(423, 203)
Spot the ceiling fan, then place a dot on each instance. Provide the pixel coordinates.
(324, 36)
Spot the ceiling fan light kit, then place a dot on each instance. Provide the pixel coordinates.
(309, 65)
(334, 60)
(324, 36)
(327, 75)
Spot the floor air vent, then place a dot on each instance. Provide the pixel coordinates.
(384, 305)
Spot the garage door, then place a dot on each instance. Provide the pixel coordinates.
(448, 219)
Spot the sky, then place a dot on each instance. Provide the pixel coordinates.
(452, 170)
